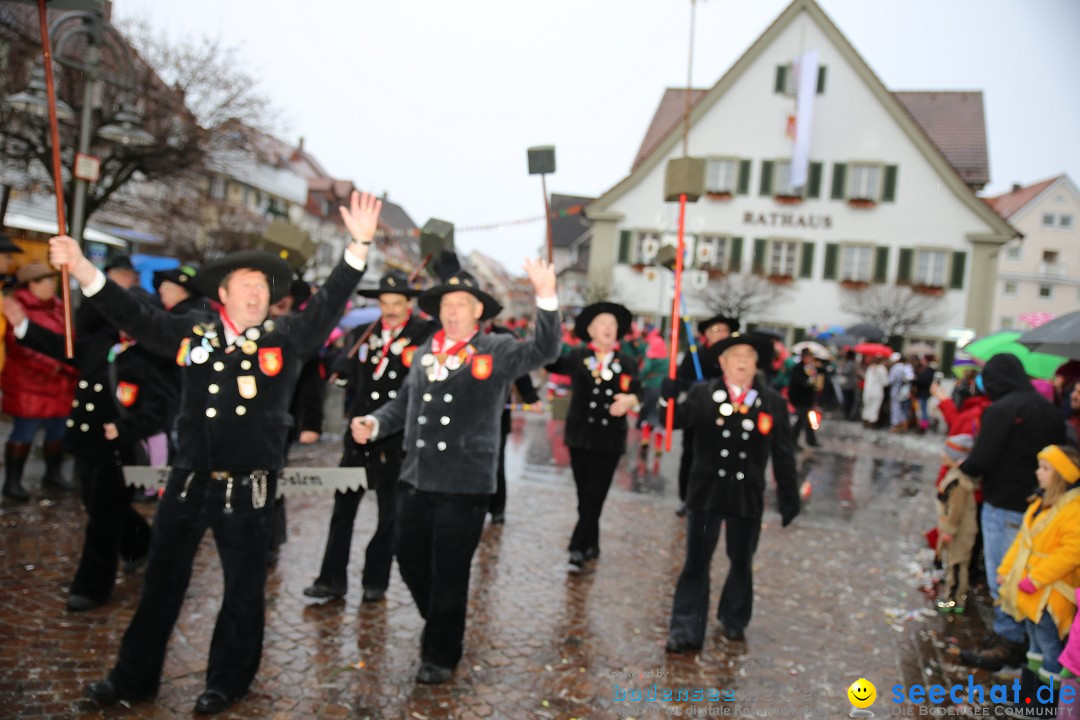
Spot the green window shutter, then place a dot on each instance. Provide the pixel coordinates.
(766, 177)
(624, 247)
(757, 263)
(832, 255)
(888, 190)
(813, 183)
(743, 187)
(806, 262)
(903, 273)
(839, 181)
(798, 335)
(781, 79)
(881, 264)
(735, 261)
(959, 260)
(821, 80)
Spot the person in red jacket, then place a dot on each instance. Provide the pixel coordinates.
(38, 390)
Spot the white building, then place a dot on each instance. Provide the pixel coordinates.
(890, 196)
(1041, 273)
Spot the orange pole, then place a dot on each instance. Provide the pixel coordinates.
(676, 303)
(58, 176)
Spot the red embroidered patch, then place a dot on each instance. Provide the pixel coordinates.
(127, 393)
(624, 382)
(764, 423)
(270, 360)
(481, 367)
(407, 355)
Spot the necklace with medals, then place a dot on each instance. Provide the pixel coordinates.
(389, 338)
(602, 364)
(443, 358)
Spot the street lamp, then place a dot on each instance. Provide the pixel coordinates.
(125, 128)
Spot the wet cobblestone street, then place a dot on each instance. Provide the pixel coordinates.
(838, 597)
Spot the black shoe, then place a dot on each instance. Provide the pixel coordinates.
(498, 518)
(372, 595)
(131, 566)
(591, 553)
(680, 509)
(995, 653)
(79, 603)
(106, 693)
(322, 591)
(679, 647)
(272, 557)
(733, 634)
(577, 558)
(211, 702)
(432, 674)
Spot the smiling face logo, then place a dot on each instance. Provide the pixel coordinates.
(862, 694)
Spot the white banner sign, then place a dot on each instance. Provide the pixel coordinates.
(293, 481)
(806, 74)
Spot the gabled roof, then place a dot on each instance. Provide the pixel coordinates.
(919, 137)
(668, 114)
(1010, 203)
(955, 123)
(566, 229)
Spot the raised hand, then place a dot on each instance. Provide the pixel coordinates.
(63, 250)
(361, 219)
(542, 276)
(13, 311)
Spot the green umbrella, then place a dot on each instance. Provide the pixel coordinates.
(1037, 365)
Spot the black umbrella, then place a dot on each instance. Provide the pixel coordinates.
(1060, 336)
(867, 331)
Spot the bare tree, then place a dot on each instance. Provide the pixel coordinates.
(897, 309)
(186, 92)
(595, 292)
(741, 296)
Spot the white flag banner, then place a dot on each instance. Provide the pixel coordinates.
(806, 73)
(291, 482)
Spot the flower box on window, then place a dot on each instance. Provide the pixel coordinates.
(781, 279)
(850, 284)
(638, 267)
(932, 290)
(862, 203)
(788, 199)
(715, 273)
(722, 196)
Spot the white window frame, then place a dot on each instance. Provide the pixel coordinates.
(783, 251)
(864, 180)
(1050, 291)
(725, 172)
(926, 273)
(1048, 219)
(1005, 288)
(1065, 222)
(782, 169)
(719, 243)
(1014, 251)
(1007, 323)
(637, 257)
(851, 254)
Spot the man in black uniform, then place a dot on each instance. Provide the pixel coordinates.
(712, 331)
(739, 424)
(450, 409)
(801, 393)
(239, 372)
(375, 376)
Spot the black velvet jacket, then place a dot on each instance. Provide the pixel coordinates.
(589, 424)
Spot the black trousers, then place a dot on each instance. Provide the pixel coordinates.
(685, 461)
(382, 475)
(242, 536)
(498, 500)
(437, 537)
(802, 420)
(690, 608)
(593, 473)
(113, 530)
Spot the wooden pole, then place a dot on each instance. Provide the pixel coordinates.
(676, 304)
(58, 176)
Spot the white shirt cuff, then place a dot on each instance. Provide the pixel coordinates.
(549, 303)
(354, 262)
(21, 328)
(375, 422)
(95, 286)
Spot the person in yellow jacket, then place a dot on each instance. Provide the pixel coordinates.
(1039, 574)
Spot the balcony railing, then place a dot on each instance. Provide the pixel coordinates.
(1052, 269)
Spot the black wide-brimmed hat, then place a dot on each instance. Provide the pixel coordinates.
(460, 281)
(763, 344)
(278, 273)
(589, 313)
(183, 276)
(7, 246)
(732, 323)
(395, 282)
(120, 262)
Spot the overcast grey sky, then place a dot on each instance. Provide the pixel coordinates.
(435, 102)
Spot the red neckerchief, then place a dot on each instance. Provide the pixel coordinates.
(384, 352)
(438, 348)
(229, 324)
(737, 401)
